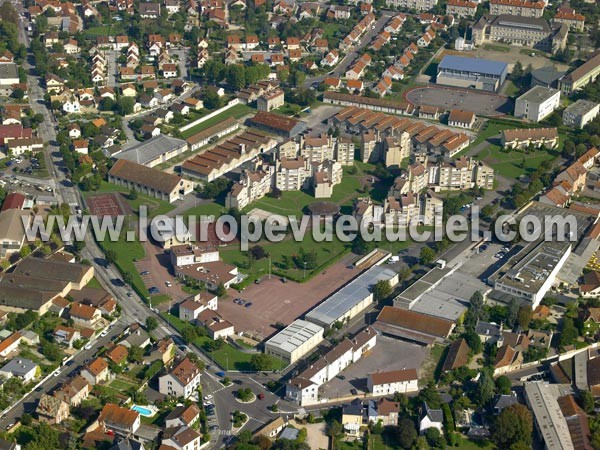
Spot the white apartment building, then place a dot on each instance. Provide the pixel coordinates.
(421, 5)
(580, 113)
(537, 103)
(181, 381)
(253, 185)
(292, 174)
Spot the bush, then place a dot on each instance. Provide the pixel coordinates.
(244, 395)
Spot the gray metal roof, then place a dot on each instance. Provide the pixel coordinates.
(294, 335)
(483, 66)
(149, 150)
(289, 433)
(19, 366)
(342, 301)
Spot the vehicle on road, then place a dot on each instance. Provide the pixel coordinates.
(260, 396)
(220, 374)
(168, 284)
(56, 373)
(10, 425)
(89, 346)
(208, 397)
(104, 333)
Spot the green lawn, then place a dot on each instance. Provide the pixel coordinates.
(127, 253)
(94, 283)
(467, 444)
(497, 48)
(511, 90)
(513, 164)
(121, 385)
(236, 111)
(227, 357)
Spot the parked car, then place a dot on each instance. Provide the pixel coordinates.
(145, 272)
(248, 305)
(260, 396)
(153, 290)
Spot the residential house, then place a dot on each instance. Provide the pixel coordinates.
(85, 315)
(431, 418)
(22, 368)
(191, 308)
(181, 381)
(181, 438)
(96, 371)
(52, 410)
(119, 420)
(74, 391)
(183, 415)
(65, 335)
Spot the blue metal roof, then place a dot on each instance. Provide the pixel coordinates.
(473, 65)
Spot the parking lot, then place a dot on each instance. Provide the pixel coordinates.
(388, 354)
(274, 301)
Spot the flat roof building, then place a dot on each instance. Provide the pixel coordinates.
(580, 113)
(351, 299)
(154, 151)
(295, 340)
(537, 103)
(472, 73)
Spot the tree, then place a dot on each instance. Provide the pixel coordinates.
(111, 256)
(334, 429)
(513, 426)
(151, 323)
(524, 317)
(382, 290)
(211, 98)
(485, 388)
(406, 433)
(261, 361)
(125, 106)
(568, 333)
(473, 340)
(503, 385)
(258, 252)
(188, 333)
(132, 194)
(221, 291)
(426, 256)
(587, 401)
(435, 439)
(136, 354)
(513, 312)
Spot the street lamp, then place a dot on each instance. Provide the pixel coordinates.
(304, 270)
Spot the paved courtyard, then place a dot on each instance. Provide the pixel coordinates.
(275, 301)
(481, 103)
(388, 354)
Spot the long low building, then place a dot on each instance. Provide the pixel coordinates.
(581, 76)
(295, 341)
(374, 104)
(154, 151)
(412, 326)
(205, 137)
(149, 181)
(225, 157)
(351, 299)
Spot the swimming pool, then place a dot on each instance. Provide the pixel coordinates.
(146, 412)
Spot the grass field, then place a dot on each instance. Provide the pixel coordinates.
(497, 48)
(513, 164)
(227, 357)
(94, 283)
(236, 111)
(126, 254)
(121, 385)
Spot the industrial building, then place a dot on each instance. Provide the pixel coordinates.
(533, 268)
(537, 103)
(472, 73)
(549, 421)
(295, 341)
(154, 151)
(352, 299)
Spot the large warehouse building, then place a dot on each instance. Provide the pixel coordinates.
(352, 299)
(295, 341)
(471, 73)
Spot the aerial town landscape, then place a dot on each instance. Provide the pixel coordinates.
(181, 122)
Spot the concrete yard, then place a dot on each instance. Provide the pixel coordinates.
(445, 97)
(275, 301)
(388, 354)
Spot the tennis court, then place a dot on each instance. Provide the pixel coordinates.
(106, 205)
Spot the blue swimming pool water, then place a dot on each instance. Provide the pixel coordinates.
(143, 411)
